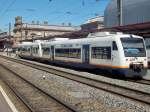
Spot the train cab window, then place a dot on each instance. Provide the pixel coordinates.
(133, 47)
(114, 45)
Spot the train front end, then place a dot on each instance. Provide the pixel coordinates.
(135, 59)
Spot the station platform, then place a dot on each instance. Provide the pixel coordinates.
(5, 103)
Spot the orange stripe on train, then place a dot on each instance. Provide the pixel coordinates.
(109, 66)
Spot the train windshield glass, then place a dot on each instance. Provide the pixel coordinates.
(133, 47)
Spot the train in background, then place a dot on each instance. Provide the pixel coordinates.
(114, 52)
(147, 43)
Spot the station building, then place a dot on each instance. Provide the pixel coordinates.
(135, 17)
(5, 40)
(29, 31)
(133, 12)
(93, 23)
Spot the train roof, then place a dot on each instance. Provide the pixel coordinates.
(92, 37)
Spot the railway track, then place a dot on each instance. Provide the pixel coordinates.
(135, 95)
(142, 81)
(33, 97)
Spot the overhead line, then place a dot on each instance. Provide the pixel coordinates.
(2, 6)
(7, 9)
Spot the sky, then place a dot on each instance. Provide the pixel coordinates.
(55, 12)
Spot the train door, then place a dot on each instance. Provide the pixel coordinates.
(85, 53)
(52, 52)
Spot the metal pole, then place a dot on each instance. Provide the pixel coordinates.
(9, 30)
(21, 32)
(121, 13)
(9, 39)
(119, 9)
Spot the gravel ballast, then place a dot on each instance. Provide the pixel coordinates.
(83, 97)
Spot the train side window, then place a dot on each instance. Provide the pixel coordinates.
(46, 50)
(101, 52)
(148, 46)
(68, 52)
(114, 45)
(35, 50)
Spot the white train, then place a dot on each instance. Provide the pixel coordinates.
(147, 43)
(117, 53)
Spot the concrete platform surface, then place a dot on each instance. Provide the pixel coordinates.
(5, 103)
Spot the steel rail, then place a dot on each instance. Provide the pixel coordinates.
(133, 94)
(66, 105)
(25, 102)
(142, 81)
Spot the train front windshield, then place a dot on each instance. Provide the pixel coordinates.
(133, 47)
